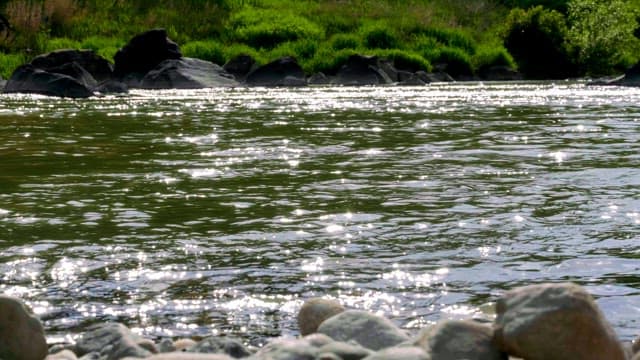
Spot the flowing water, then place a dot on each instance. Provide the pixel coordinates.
(190, 213)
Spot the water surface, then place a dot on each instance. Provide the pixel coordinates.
(190, 213)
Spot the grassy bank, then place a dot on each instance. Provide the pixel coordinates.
(461, 36)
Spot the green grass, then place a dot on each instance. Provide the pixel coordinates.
(206, 50)
(9, 62)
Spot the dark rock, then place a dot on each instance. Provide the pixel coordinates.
(28, 79)
(404, 353)
(113, 341)
(499, 73)
(240, 66)
(21, 333)
(99, 67)
(406, 78)
(143, 53)
(361, 70)
(187, 73)
(452, 340)
(439, 76)
(630, 78)
(216, 345)
(112, 87)
(74, 70)
(318, 79)
(281, 72)
(371, 331)
(554, 322)
(314, 311)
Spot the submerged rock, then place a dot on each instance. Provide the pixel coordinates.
(21, 334)
(187, 73)
(554, 322)
(371, 331)
(314, 311)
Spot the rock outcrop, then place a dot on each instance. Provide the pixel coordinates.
(281, 72)
(362, 70)
(29, 79)
(187, 73)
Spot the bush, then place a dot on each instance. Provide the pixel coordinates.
(405, 60)
(327, 60)
(379, 36)
(489, 56)
(601, 34)
(454, 61)
(233, 50)
(536, 39)
(453, 38)
(267, 28)
(344, 41)
(204, 50)
(61, 43)
(301, 49)
(9, 62)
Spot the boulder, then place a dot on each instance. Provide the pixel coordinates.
(112, 87)
(371, 331)
(361, 70)
(452, 340)
(99, 67)
(406, 78)
(314, 311)
(553, 322)
(281, 72)
(187, 73)
(345, 351)
(62, 355)
(74, 70)
(240, 66)
(216, 345)
(403, 353)
(143, 53)
(439, 76)
(112, 341)
(288, 349)
(21, 333)
(28, 79)
(318, 79)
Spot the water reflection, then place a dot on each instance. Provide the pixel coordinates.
(219, 211)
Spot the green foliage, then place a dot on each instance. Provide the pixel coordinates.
(453, 38)
(301, 50)
(9, 62)
(344, 41)
(327, 60)
(61, 43)
(267, 28)
(233, 50)
(602, 34)
(405, 60)
(559, 5)
(488, 56)
(536, 39)
(204, 50)
(379, 36)
(453, 60)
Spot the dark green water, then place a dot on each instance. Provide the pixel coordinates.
(220, 211)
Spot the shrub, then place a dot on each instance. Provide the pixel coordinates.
(267, 28)
(405, 60)
(453, 38)
(204, 50)
(233, 50)
(536, 39)
(488, 56)
(327, 60)
(9, 62)
(344, 41)
(61, 43)
(454, 61)
(379, 36)
(601, 34)
(301, 49)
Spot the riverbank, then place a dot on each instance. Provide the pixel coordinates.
(537, 322)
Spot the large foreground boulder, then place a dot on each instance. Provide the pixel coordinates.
(554, 322)
(281, 72)
(187, 73)
(21, 334)
(143, 53)
(113, 341)
(29, 79)
(371, 331)
(453, 340)
(362, 70)
(99, 67)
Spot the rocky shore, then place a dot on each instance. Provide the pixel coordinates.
(153, 61)
(537, 322)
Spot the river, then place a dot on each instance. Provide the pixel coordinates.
(219, 211)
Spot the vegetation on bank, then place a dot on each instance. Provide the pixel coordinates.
(542, 38)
